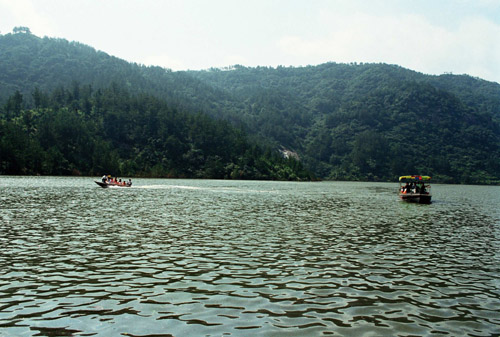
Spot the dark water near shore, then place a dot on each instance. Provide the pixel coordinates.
(224, 258)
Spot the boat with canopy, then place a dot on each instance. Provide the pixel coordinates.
(415, 188)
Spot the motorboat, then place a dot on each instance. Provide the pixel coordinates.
(109, 182)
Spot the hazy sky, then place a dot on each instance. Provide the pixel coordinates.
(430, 36)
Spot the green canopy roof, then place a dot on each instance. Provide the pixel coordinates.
(414, 179)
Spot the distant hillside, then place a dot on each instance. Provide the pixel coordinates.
(71, 110)
(372, 121)
(28, 62)
(345, 121)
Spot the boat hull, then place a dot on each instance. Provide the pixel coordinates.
(421, 198)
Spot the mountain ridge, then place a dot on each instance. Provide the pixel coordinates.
(329, 114)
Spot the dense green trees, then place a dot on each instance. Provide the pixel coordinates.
(79, 131)
(345, 121)
(372, 121)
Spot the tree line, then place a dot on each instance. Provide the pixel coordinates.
(345, 121)
(82, 131)
(372, 121)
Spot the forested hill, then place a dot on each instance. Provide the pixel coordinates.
(372, 121)
(63, 116)
(28, 62)
(345, 121)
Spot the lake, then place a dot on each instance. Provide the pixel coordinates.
(246, 258)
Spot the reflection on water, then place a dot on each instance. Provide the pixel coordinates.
(193, 258)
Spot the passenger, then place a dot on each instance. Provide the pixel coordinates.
(104, 178)
(129, 182)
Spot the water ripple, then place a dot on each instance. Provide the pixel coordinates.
(177, 258)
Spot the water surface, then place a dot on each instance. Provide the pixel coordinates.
(235, 258)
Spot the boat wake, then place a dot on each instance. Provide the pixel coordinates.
(169, 187)
(199, 188)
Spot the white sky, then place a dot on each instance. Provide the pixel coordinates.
(430, 36)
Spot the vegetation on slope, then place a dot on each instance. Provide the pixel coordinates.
(81, 131)
(345, 121)
(372, 121)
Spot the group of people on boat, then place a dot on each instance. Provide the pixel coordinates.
(115, 181)
(414, 188)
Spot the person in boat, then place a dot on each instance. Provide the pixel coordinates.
(422, 188)
(129, 182)
(413, 188)
(104, 179)
(406, 188)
